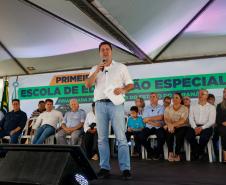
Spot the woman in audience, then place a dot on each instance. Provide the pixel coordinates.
(221, 122)
(139, 102)
(175, 118)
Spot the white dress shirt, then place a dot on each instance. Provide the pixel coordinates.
(90, 118)
(52, 118)
(202, 115)
(116, 75)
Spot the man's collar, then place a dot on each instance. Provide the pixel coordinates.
(206, 104)
(154, 107)
(75, 111)
(112, 63)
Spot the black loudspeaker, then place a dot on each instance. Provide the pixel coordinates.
(45, 165)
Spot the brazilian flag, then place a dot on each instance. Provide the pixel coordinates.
(5, 98)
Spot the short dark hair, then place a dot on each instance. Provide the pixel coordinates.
(41, 101)
(15, 100)
(49, 100)
(181, 97)
(211, 96)
(134, 108)
(167, 97)
(105, 43)
(154, 93)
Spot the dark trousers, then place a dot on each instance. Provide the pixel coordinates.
(90, 142)
(13, 138)
(179, 134)
(143, 138)
(198, 147)
(137, 147)
(222, 133)
(216, 139)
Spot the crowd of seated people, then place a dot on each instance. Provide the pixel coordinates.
(183, 120)
(171, 123)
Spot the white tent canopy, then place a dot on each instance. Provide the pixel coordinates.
(39, 36)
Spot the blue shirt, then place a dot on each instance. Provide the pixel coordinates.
(150, 111)
(136, 124)
(72, 119)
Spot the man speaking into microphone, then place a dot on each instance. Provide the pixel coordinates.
(110, 73)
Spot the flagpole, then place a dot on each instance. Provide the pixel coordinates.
(5, 96)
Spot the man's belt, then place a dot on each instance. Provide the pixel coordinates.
(105, 100)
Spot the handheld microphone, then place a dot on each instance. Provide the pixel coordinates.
(104, 60)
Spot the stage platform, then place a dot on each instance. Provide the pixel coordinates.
(146, 172)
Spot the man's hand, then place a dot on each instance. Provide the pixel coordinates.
(93, 131)
(130, 129)
(67, 130)
(118, 91)
(224, 123)
(100, 67)
(154, 124)
(198, 130)
(12, 132)
(146, 120)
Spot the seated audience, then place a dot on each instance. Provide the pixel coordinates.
(135, 126)
(201, 118)
(90, 139)
(139, 102)
(221, 122)
(13, 123)
(153, 117)
(46, 123)
(175, 118)
(166, 101)
(72, 124)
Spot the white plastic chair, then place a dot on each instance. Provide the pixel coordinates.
(50, 140)
(153, 138)
(25, 131)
